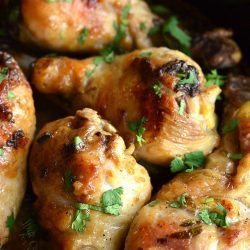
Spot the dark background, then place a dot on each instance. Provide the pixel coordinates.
(232, 14)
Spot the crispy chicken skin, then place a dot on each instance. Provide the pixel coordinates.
(224, 180)
(17, 116)
(85, 25)
(123, 91)
(100, 164)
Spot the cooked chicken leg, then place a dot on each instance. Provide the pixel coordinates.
(154, 97)
(88, 185)
(89, 26)
(17, 116)
(206, 209)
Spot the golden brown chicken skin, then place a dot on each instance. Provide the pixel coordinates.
(155, 98)
(17, 120)
(215, 211)
(84, 25)
(75, 162)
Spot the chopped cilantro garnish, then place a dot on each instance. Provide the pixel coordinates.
(121, 28)
(1, 151)
(179, 202)
(142, 26)
(182, 107)
(157, 87)
(236, 156)
(97, 60)
(111, 203)
(137, 127)
(10, 221)
(153, 203)
(159, 9)
(218, 218)
(68, 179)
(10, 95)
(231, 126)
(209, 200)
(213, 78)
(187, 79)
(80, 220)
(145, 54)
(190, 162)
(83, 35)
(3, 74)
(172, 26)
(78, 142)
(154, 30)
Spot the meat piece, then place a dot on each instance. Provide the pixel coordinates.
(220, 192)
(17, 117)
(142, 93)
(216, 49)
(77, 160)
(87, 26)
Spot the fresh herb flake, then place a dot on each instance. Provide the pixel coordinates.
(10, 221)
(137, 127)
(172, 26)
(179, 202)
(11, 95)
(80, 220)
(154, 30)
(231, 126)
(145, 54)
(78, 142)
(83, 35)
(182, 107)
(187, 79)
(142, 26)
(189, 162)
(236, 156)
(159, 9)
(68, 179)
(157, 87)
(1, 151)
(209, 200)
(213, 78)
(3, 73)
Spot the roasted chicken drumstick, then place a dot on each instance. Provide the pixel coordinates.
(156, 98)
(17, 116)
(88, 186)
(208, 208)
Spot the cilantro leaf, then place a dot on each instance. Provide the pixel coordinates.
(189, 162)
(154, 30)
(204, 216)
(179, 202)
(157, 87)
(80, 220)
(208, 200)
(1, 151)
(78, 142)
(11, 95)
(218, 218)
(68, 179)
(10, 221)
(182, 107)
(145, 54)
(159, 9)
(213, 78)
(83, 35)
(177, 165)
(236, 156)
(172, 26)
(111, 201)
(231, 126)
(189, 79)
(137, 127)
(3, 74)
(142, 26)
